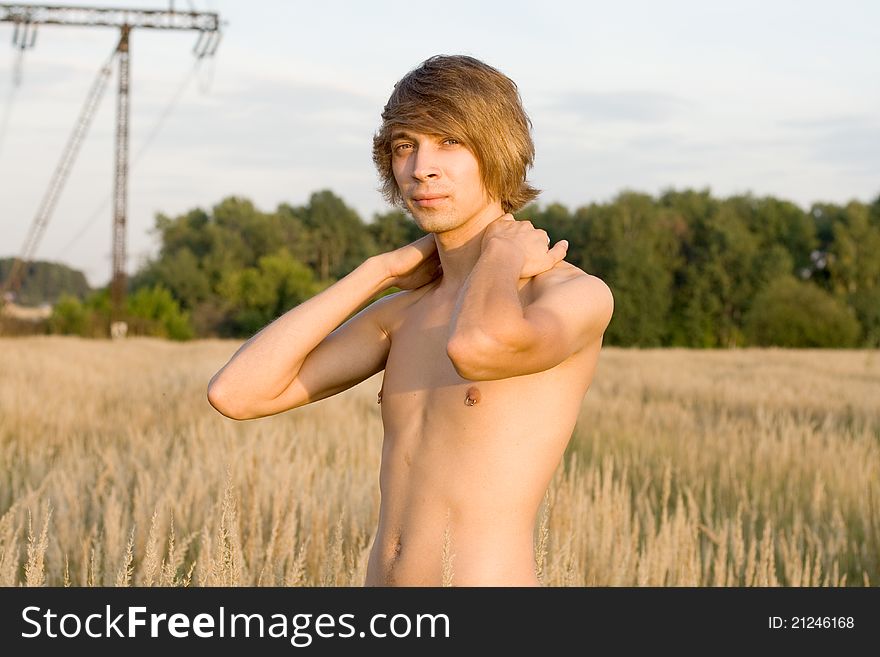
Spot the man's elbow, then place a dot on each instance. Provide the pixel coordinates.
(224, 401)
(473, 356)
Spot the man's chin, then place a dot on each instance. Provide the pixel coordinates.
(431, 222)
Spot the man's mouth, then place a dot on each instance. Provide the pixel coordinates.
(429, 200)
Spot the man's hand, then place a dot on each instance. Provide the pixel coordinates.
(413, 265)
(522, 240)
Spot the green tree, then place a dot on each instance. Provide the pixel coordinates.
(261, 233)
(854, 265)
(824, 217)
(866, 304)
(187, 231)
(793, 313)
(560, 224)
(89, 318)
(631, 245)
(45, 282)
(780, 223)
(154, 311)
(593, 237)
(341, 241)
(296, 236)
(393, 229)
(875, 212)
(182, 274)
(69, 316)
(685, 267)
(257, 295)
(721, 268)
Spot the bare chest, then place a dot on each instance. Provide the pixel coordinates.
(418, 372)
(422, 394)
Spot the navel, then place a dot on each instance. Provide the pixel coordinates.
(473, 396)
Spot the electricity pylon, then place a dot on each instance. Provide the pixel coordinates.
(26, 18)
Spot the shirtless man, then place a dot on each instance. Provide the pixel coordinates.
(488, 348)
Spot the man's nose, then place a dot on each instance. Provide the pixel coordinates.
(425, 165)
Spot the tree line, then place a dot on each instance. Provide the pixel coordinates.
(45, 282)
(686, 269)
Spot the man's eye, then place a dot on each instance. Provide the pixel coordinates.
(400, 147)
(451, 140)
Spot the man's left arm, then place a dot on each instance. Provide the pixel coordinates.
(493, 337)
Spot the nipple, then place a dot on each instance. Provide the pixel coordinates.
(473, 396)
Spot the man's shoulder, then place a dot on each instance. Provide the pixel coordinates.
(565, 280)
(576, 298)
(391, 308)
(401, 299)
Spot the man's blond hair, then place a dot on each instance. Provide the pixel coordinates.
(461, 97)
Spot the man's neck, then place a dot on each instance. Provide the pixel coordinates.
(460, 248)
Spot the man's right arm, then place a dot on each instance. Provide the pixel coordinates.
(302, 356)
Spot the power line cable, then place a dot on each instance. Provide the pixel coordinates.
(59, 177)
(10, 97)
(99, 211)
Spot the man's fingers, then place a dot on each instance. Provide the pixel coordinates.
(559, 250)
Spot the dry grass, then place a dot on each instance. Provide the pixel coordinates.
(737, 468)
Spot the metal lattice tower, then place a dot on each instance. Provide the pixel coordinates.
(26, 18)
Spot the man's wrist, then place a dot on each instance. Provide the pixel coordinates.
(379, 271)
(502, 251)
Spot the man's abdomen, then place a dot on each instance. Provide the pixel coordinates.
(416, 554)
(465, 466)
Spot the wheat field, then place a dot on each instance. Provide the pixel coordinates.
(686, 468)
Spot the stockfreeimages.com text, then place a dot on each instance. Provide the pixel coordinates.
(300, 629)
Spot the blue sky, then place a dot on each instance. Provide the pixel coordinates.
(773, 98)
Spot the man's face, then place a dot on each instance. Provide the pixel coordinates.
(439, 179)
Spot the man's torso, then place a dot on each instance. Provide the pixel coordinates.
(465, 464)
